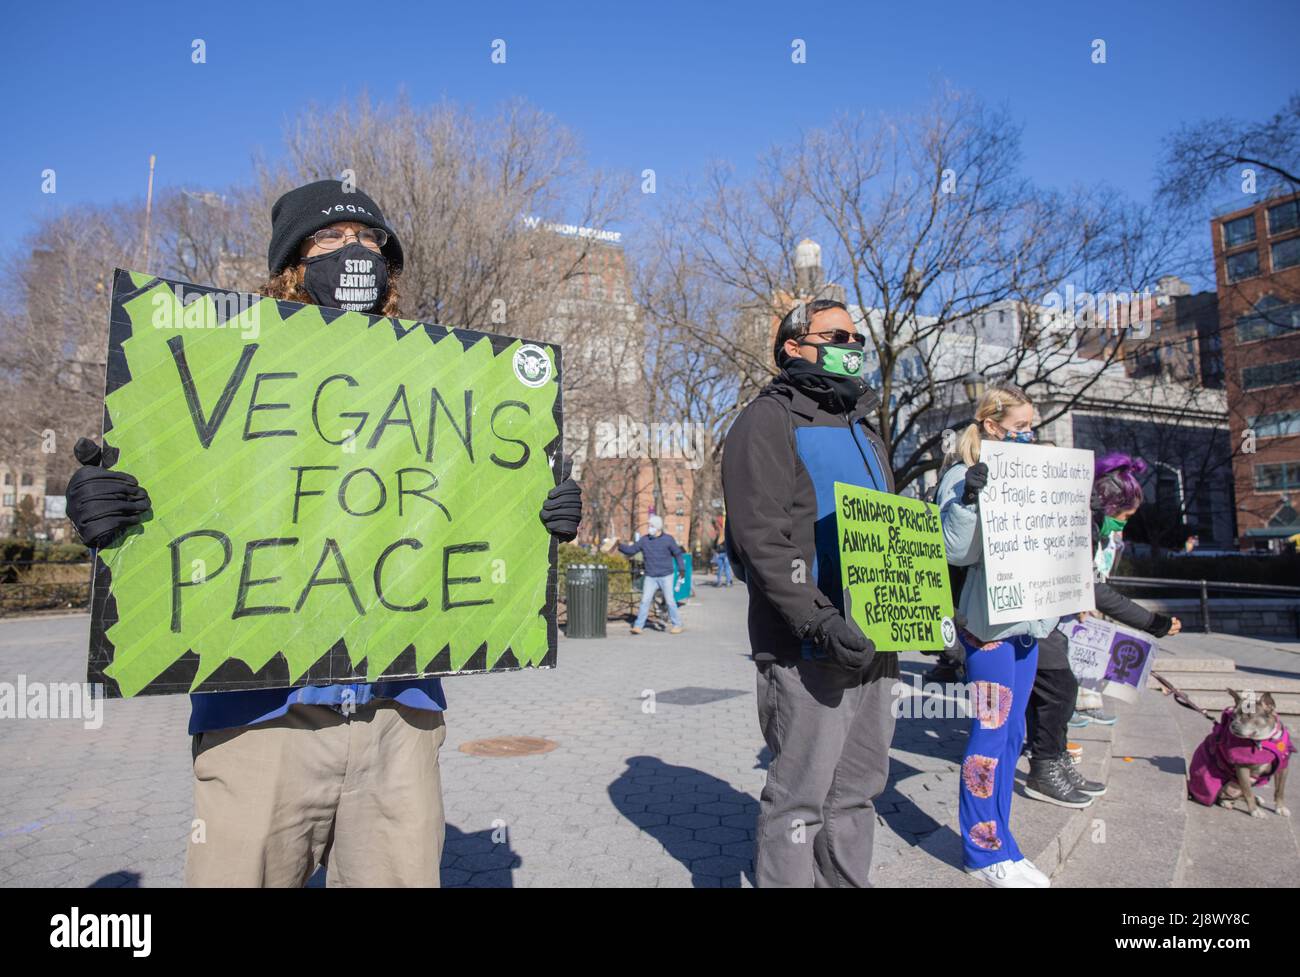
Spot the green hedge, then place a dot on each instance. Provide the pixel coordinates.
(31, 551)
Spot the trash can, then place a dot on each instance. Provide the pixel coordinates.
(587, 590)
(682, 582)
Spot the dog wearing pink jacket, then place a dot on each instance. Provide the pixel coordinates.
(1247, 747)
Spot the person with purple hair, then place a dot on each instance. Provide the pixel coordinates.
(1057, 702)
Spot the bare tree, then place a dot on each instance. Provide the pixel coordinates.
(54, 326)
(1211, 156)
(928, 225)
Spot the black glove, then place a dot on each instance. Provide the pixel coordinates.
(977, 476)
(562, 510)
(102, 503)
(847, 646)
(1160, 626)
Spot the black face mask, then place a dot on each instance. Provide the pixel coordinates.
(826, 380)
(353, 278)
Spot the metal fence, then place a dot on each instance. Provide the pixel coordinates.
(624, 589)
(17, 595)
(1203, 587)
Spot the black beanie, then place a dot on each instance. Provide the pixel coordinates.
(307, 209)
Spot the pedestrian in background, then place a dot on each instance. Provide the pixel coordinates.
(661, 553)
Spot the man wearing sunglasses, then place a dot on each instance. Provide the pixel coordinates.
(824, 694)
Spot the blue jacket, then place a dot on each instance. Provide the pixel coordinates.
(660, 553)
(226, 710)
(780, 463)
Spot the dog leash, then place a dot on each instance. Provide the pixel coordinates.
(1181, 697)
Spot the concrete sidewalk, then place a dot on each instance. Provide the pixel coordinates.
(632, 796)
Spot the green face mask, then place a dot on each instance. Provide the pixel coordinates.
(844, 361)
(1112, 525)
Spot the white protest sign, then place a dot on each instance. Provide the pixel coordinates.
(1037, 529)
(1109, 658)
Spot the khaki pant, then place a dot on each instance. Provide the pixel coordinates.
(361, 795)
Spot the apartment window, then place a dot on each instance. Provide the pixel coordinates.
(1275, 425)
(1284, 217)
(1239, 231)
(1244, 265)
(1271, 318)
(1270, 374)
(1286, 254)
(1277, 477)
(26, 480)
(9, 479)
(1285, 516)
(9, 498)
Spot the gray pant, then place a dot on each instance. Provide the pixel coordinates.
(829, 734)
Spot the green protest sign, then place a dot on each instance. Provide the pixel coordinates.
(893, 569)
(335, 496)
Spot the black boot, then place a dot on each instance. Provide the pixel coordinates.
(1078, 781)
(1048, 782)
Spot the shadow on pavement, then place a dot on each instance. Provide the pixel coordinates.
(930, 736)
(470, 860)
(701, 820)
(117, 880)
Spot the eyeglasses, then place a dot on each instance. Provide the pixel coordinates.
(839, 337)
(331, 238)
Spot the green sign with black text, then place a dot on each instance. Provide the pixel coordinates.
(336, 497)
(893, 569)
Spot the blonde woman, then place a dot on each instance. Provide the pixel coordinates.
(1001, 659)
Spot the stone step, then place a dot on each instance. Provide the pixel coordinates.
(1166, 663)
(1219, 682)
(1133, 835)
(1044, 831)
(1216, 702)
(1222, 846)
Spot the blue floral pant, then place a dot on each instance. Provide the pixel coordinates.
(1001, 678)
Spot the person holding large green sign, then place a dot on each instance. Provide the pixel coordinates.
(330, 770)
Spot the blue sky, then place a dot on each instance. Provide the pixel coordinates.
(92, 90)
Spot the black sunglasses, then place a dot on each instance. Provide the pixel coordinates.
(840, 337)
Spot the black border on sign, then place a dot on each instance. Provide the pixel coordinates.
(333, 667)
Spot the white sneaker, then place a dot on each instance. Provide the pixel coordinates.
(1004, 875)
(1034, 873)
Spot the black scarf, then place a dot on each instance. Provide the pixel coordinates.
(836, 394)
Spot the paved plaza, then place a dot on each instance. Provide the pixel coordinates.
(634, 793)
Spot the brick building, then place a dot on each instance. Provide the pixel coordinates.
(629, 462)
(1257, 268)
(1172, 333)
